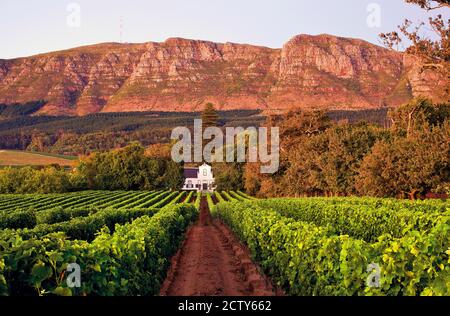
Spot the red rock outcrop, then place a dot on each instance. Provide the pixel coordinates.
(181, 75)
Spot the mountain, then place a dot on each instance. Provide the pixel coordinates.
(321, 71)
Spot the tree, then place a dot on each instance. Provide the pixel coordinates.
(296, 128)
(304, 175)
(228, 176)
(418, 115)
(328, 163)
(430, 49)
(431, 4)
(159, 151)
(209, 116)
(347, 146)
(252, 179)
(296, 123)
(32, 180)
(433, 53)
(406, 166)
(124, 169)
(173, 177)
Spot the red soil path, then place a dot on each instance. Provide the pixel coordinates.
(212, 262)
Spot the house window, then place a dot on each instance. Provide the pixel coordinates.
(205, 172)
(189, 184)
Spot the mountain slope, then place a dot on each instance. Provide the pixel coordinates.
(181, 75)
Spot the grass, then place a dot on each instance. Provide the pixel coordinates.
(25, 158)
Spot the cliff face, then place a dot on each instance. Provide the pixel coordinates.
(181, 75)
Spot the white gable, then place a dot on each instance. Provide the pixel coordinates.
(201, 179)
(205, 172)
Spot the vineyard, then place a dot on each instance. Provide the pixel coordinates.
(123, 240)
(321, 246)
(125, 243)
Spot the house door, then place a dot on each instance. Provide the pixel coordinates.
(205, 186)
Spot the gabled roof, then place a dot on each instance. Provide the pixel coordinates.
(191, 173)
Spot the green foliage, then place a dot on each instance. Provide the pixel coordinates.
(210, 201)
(173, 177)
(59, 214)
(168, 199)
(418, 115)
(125, 169)
(219, 196)
(31, 180)
(82, 228)
(131, 261)
(306, 259)
(360, 221)
(14, 110)
(248, 197)
(228, 176)
(406, 166)
(189, 197)
(322, 158)
(180, 197)
(130, 169)
(198, 200)
(18, 219)
(237, 196)
(227, 196)
(329, 162)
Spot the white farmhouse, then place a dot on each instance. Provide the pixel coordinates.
(199, 179)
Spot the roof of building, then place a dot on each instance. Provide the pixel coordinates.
(191, 173)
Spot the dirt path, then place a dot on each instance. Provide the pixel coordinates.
(211, 262)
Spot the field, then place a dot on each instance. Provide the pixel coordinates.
(23, 158)
(227, 243)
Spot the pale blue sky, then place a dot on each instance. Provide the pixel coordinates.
(34, 26)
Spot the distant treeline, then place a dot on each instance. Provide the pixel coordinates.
(20, 109)
(105, 131)
(374, 116)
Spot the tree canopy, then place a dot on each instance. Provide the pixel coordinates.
(434, 51)
(320, 157)
(209, 116)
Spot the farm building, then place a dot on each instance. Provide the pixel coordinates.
(199, 179)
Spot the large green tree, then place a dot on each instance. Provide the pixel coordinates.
(130, 169)
(228, 176)
(407, 167)
(328, 163)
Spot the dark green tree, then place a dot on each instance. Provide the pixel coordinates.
(173, 177)
(209, 116)
(407, 167)
(417, 116)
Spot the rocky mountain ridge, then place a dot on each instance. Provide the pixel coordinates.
(310, 72)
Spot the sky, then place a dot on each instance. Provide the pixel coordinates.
(29, 27)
